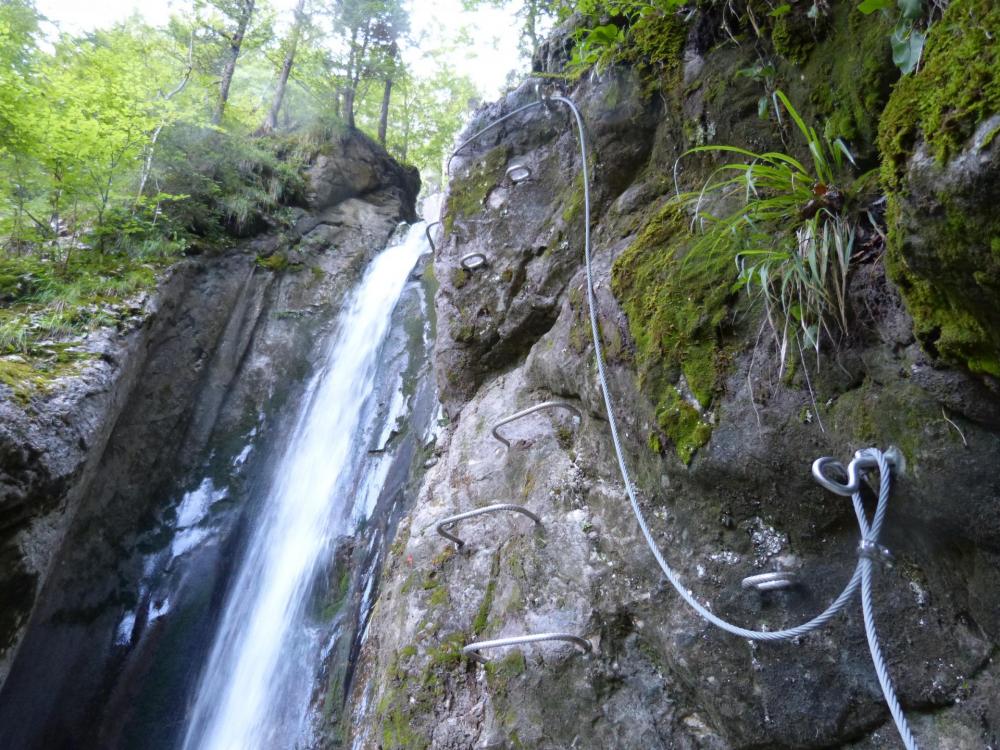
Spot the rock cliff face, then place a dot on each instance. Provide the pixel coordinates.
(728, 491)
(88, 472)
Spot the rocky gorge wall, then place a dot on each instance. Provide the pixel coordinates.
(720, 435)
(90, 469)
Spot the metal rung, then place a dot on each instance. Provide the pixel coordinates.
(518, 173)
(781, 579)
(427, 231)
(472, 261)
(447, 523)
(538, 407)
(472, 650)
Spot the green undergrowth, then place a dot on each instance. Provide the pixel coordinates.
(950, 279)
(231, 186)
(47, 304)
(675, 310)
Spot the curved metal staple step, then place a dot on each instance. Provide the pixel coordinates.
(430, 239)
(780, 579)
(469, 261)
(518, 173)
(472, 650)
(531, 410)
(444, 524)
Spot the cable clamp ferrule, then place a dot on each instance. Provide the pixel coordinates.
(876, 552)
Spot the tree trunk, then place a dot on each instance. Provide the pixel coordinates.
(383, 120)
(235, 43)
(349, 105)
(271, 121)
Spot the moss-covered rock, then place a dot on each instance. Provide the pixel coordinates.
(654, 46)
(467, 193)
(849, 77)
(956, 89)
(941, 169)
(675, 306)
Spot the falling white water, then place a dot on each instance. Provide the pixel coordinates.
(252, 693)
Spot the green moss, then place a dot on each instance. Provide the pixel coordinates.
(654, 46)
(336, 602)
(30, 376)
(459, 277)
(675, 309)
(412, 692)
(956, 89)
(276, 262)
(464, 333)
(467, 194)
(898, 416)
(682, 424)
(572, 205)
(439, 597)
(500, 672)
(950, 278)
(654, 443)
(481, 619)
(952, 296)
(793, 37)
(849, 77)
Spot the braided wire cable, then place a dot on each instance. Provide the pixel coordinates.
(861, 577)
(868, 609)
(486, 129)
(862, 572)
(756, 635)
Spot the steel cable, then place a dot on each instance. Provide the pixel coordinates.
(861, 577)
(862, 572)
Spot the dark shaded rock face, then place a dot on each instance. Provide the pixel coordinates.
(516, 333)
(87, 470)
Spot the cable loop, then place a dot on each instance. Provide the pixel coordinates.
(473, 649)
(518, 173)
(430, 238)
(445, 525)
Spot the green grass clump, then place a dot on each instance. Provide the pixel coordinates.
(47, 302)
(791, 234)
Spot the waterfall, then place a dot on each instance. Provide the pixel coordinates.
(256, 686)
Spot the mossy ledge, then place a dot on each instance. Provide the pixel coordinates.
(944, 233)
(675, 306)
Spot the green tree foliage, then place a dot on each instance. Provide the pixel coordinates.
(534, 16)
(114, 158)
(367, 33)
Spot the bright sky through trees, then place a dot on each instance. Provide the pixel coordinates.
(491, 53)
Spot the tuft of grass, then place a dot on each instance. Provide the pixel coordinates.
(791, 235)
(46, 303)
